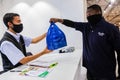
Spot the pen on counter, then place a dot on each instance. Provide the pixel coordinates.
(44, 74)
(15, 71)
(39, 66)
(52, 65)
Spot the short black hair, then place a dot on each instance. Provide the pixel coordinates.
(8, 17)
(95, 7)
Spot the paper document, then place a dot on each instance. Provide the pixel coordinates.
(38, 69)
(35, 71)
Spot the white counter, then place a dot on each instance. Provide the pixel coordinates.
(68, 68)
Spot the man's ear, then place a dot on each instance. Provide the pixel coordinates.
(10, 24)
(99, 12)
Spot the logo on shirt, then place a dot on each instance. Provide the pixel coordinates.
(101, 33)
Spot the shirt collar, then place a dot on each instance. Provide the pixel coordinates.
(101, 22)
(16, 36)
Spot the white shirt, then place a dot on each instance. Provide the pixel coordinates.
(11, 51)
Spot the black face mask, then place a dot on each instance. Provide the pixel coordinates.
(17, 28)
(94, 19)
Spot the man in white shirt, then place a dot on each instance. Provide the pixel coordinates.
(12, 45)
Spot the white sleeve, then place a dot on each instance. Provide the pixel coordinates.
(12, 52)
(27, 41)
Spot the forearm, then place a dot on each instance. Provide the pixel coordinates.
(68, 23)
(39, 38)
(30, 58)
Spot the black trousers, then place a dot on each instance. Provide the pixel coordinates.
(91, 77)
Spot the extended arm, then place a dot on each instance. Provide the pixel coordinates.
(39, 38)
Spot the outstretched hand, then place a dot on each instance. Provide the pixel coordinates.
(46, 51)
(56, 20)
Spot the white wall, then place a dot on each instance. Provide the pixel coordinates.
(35, 15)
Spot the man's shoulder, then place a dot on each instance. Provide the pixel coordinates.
(5, 42)
(108, 23)
(5, 39)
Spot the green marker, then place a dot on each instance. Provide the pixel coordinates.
(52, 65)
(43, 74)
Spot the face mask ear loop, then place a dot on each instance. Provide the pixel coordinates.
(11, 22)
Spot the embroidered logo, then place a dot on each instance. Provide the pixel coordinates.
(101, 33)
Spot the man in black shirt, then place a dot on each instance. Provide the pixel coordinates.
(100, 41)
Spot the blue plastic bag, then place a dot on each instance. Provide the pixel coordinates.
(55, 37)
